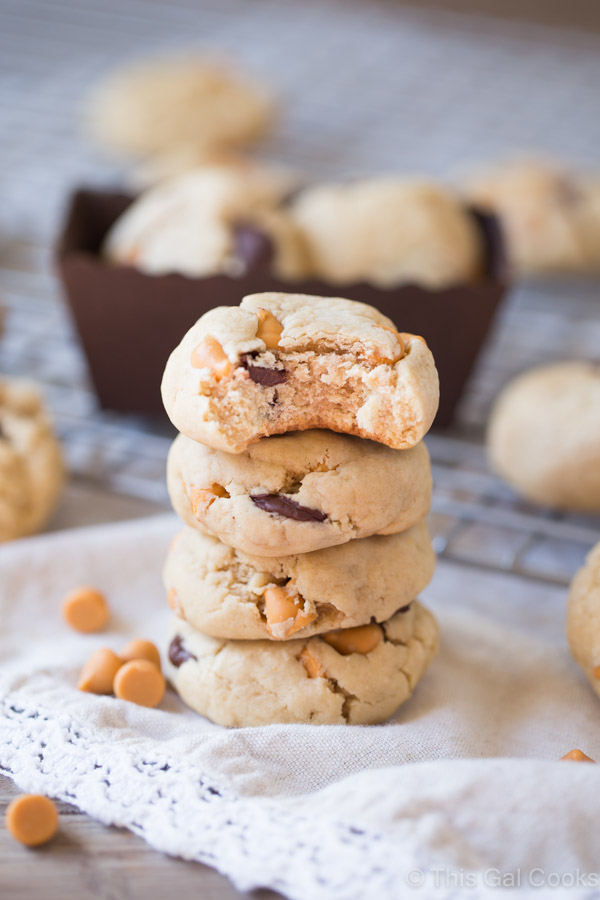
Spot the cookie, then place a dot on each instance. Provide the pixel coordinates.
(299, 492)
(162, 105)
(229, 594)
(241, 683)
(550, 216)
(583, 618)
(292, 362)
(214, 220)
(31, 468)
(282, 180)
(544, 435)
(388, 231)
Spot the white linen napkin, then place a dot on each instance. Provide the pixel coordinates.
(460, 794)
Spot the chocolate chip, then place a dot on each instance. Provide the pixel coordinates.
(283, 506)
(178, 654)
(568, 191)
(263, 374)
(252, 247)
(404, 609)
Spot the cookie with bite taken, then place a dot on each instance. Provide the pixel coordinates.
(292, 362)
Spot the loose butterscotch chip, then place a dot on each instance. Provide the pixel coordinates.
(269, 329)
(141, 682)
(362, 639)
(596, 671)
(578, 756)
(140, 649)
(209, 354)
(32, 819)
(99, 672)
(313, 667)
(284, 612)
(85, 609)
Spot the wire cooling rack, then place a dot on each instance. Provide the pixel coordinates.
(365, 87)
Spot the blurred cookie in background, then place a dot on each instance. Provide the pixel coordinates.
(388, 231)
(159, 106)
(31, 465)
(544, 436)
(550, 215)
(583, 618)
(215, 220)
(151, 171)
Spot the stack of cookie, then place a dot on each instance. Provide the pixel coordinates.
(303, 484)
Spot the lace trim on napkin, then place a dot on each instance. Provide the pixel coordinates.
(178, 810)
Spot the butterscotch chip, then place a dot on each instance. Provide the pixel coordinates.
(209, 354)
(85, 609)
(354, 640)
(32, 819)
(141, 682)
(269, 329)
(202, 498)
(285, 612)
(553, 466)
(140, 649)
(578, 756)
(313, 667)
(596, 671)
(99, 672)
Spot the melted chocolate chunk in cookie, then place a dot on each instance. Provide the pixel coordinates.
(178, 654)
(283, 506)
(263, 374)
(252, 247)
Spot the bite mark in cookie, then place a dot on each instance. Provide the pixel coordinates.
(336, 364)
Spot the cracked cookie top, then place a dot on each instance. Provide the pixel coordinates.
(359, 676)
(230, 594)
(583, 618)
(298, 492)
(31, 467)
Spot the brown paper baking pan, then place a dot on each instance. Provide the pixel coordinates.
(129, 322)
